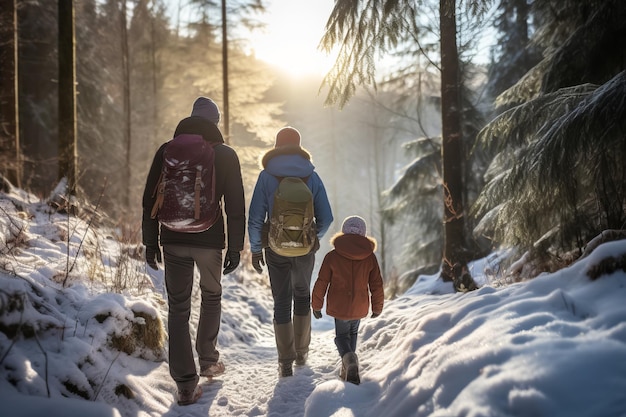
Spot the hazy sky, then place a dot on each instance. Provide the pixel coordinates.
(294, 30)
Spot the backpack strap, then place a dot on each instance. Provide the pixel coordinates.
(214, 184)
(198, 187)
(159, 192)
(196, 192)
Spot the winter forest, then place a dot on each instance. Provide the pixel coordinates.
(528, 168)
(457, 128)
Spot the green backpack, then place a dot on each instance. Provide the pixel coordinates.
(292, 228)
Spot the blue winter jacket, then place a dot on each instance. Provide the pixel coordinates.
(285, 161)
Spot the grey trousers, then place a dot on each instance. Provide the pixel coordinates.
(179, 273)
(290, 279)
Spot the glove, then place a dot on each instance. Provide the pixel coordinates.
(231, 261)
(317, 314)
(257, 261)
(316, 245)
(153, 255)
(374, 315)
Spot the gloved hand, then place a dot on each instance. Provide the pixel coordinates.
(257, 261)
(374, 315)
(153, 255)
(231, 261)
(317, 314)
(316, 245)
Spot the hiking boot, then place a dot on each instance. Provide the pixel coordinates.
(301, 358)
(465, 284)
(285, 348)
(350, 368)
(186, 397)
(214, 369)
(302, 337)
(285, 369)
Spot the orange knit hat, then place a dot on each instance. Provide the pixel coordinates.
(287, 136)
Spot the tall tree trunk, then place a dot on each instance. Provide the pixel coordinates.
(126, 101)
(67, 95)
(225, 110)
(153, 61)
(378, 182)
(454, 263)
(9, 97)
(521, 20)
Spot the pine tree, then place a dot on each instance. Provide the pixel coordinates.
(558, 178)
(513, 54)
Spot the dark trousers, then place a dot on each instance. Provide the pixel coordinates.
(290, 279)
(179, 273)
(346, 332)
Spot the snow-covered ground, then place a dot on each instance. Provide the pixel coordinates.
(553, 346)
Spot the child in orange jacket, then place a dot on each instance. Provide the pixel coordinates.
(350, 277)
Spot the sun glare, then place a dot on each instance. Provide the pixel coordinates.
(294, 29)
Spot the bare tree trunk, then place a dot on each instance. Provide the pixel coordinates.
(155, 92)
(9, 97)
(126, 101)
(225, 110)
(378, 156)
(454, 263)
(67, 95)
(178, 11)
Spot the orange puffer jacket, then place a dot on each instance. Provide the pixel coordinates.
(350, 273)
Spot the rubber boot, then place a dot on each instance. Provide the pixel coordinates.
(285, 347)
(350, 368)
(302, 335)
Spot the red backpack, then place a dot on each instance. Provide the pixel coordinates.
(185, 193)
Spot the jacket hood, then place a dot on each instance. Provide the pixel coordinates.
(355, 247)
(195, 125)
(284, 150)
(288, 161)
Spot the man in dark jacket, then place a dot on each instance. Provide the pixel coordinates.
(183, 251)
(290, 277)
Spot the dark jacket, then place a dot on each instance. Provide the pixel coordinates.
(285, 161)
(349, 273)
(229, 186)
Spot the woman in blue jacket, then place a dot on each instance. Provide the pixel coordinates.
(290, 277)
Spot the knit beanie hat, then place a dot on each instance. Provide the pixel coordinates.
(207, 109)
(287, 136)
(354, 225)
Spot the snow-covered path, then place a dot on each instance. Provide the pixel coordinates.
(250, 386)
(72, 356)
(554, 346)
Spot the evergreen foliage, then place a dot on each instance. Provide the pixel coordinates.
(513, 54)
(558, 177)
(364, 30)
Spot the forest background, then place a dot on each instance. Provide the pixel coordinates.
(543, 117)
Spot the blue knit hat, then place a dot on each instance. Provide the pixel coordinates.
(207, 109)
